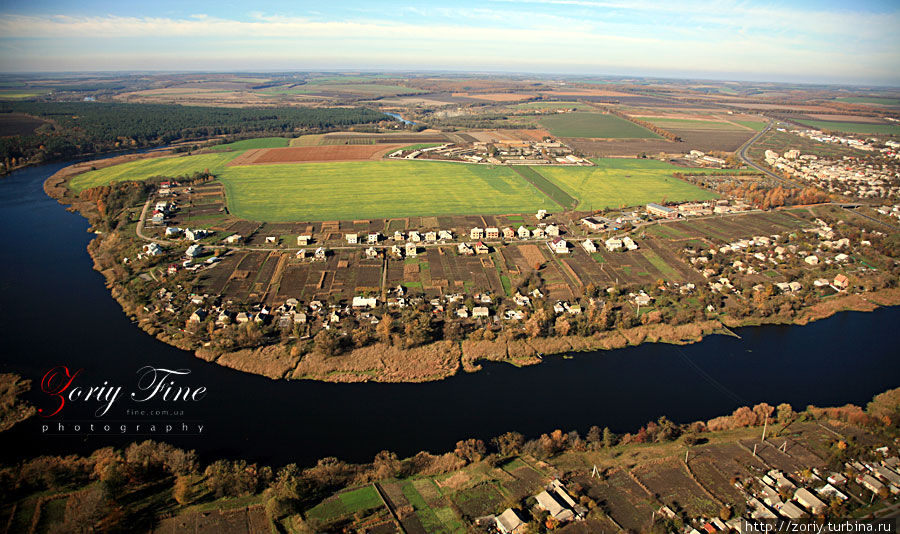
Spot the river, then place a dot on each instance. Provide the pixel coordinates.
(55, 310)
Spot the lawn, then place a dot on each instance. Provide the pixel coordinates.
(147, 168)
(595, 125)
(375, 190)
(617, 183)
(690, 124)
(853, 127)
(260, 142)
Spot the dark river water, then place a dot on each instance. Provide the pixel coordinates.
(55, 310)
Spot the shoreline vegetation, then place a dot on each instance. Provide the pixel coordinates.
(386, 360)
(154, 486)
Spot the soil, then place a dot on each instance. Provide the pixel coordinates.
(306, 154)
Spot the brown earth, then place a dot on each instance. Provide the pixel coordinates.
(497, 97)
(308, 154)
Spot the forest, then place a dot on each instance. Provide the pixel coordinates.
(78, 128)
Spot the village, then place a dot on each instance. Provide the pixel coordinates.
(848, 176)
(503, 152)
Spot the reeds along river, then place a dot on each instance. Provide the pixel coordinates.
(55, 311)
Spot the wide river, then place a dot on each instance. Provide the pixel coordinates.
(55, 310)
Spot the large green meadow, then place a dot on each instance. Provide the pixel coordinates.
(853, 127)
(617, 183)
(375, 190)
(594, 125)
(142, 169)
(259, 142)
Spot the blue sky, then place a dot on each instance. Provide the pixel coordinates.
(812, 41)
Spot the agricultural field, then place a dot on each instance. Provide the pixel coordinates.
(552, 106)
(261, 142)
(690, 124)
(147, 168)
(375, 189)
(306, 154)
(18, 124)
(755, 125)
(783, 141)
(616, 183)
(366, 89)
(881, 101)
(852, 127)
(594, 125)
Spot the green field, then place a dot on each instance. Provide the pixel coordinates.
(147, 168)
(853, 127)
(616, 183)
(375, 190)
(756, 125)
(260, 142)
(884, 101)
(594, 125)
(19, 95)
(546, 186)
(690, 124)
(374, 89)
(552, 105)
(420, 146)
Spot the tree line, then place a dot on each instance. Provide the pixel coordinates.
(76, 128)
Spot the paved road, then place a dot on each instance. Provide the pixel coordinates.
(742, 153)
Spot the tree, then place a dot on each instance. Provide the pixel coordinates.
(509, 444)
(83, 510)
(327, 342)
(609, 438)
(184, 490)
(471, 450)
(383, 330)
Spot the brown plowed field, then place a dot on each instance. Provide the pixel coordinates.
(307, 154)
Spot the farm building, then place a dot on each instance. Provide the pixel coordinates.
(594, 223)
(546, 502)
(809, 501)
(541, 214)
(661, 211)
(509, 523)
(233, 239)
(628, 243)
(790, 511)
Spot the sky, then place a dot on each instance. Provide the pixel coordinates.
(824, 41)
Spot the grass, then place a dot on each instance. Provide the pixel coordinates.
(756, 125)
(852, 127)
(19, 95)
(659, 263)
(308, 140)
(690, 124)
(420, 146)
(147, 168)
(374, 190)
(553, 191)
(345, 504)
(594, 125)
(616, 183)
(260, 142)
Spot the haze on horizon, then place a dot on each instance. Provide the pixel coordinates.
(808, 41)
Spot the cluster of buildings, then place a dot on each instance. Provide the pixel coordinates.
(508, 152)
(847, 176)
(697, 157)
(554, 499)
(868, 145)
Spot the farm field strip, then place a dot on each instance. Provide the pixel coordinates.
(852, 127)
(691, 124)
(260, 142)
(553, 191)
(594, 125)
(147, 168)
(375, 190)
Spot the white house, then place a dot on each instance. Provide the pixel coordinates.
(351, 239)
(613, 243)
(509, 523)
(559, 245)
(373, 238)
(589, 246)
(365, 302)
(193, 251)
(476, 233)
(524, 233)
(552, 230)
(411, 250)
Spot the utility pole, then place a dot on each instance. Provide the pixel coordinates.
(765, 426)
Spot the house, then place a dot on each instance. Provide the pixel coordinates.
(552, 230)
(889, 476)
(195, 235)
(559, 245)
(546, 502)
(538, 233)
(491, 233)
(373, 238)
(593, 223)
(243, 317)
(661, 211)
(397, 251)
(613, 243)
(476, 233)
(841, 281)
(303, 240)
(198, 316)
(152, 249)
(870, 483)
(589, 246)
(541, 214)
(233, 239)
(398, 236)
(364, 302)
(415, 237)
(462, 313)
(628, 243)
(465, 249)
(445, 234)
(509, 523)
(351, 238)
(431, 237)
(158, 217)
(508, 233)
(481, 248)
(299, 318)
(172, 231)
(809, 501)
(643, 299)
(301, 254)
(480, 311)
(790, 511)
(193, 251)
(371, 253)
(830, 492)
(320, 253)
(524, 233)
(411, 250)
(812, 259)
